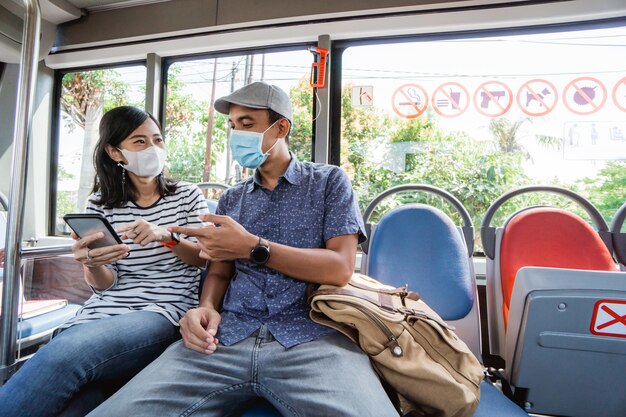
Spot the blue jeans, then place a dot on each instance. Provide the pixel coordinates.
(73, 372)
(326, 377)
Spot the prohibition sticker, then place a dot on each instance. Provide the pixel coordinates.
(493, 98)
(609, 318)
(537, 97)
(450, 99)
(584, 95)
(409, 101)
(619, 94)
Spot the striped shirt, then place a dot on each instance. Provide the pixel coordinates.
(152, 277)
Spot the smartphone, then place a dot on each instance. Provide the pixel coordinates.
(84, 224)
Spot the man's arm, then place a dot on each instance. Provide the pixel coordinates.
(333, 264)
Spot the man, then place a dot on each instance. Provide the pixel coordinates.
(290, 224)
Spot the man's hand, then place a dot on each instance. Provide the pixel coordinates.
(222, 240)
(199, 327)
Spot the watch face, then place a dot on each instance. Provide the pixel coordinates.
(175, 237)
(260, 254)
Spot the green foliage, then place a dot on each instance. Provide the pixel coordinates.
(186, 132)
(302, 129)
(607, 191)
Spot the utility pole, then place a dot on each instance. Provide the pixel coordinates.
(206, 174)
(229, 157)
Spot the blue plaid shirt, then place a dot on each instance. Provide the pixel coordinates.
(310, 204)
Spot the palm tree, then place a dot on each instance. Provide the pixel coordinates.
(506, 134)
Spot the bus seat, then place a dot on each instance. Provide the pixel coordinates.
(547, 270)
(492, 403)
(566, 341)
(39, 329)
(540, 236)
(549, 237)
(619, 238)
(212, 198)
(419, 245)
(212, 205)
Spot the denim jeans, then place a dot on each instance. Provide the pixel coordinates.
(74, 371)
(326, 377)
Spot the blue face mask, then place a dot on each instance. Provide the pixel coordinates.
(246, 147)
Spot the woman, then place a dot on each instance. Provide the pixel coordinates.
(141, 288)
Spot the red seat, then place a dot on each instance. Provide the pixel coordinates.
(549, 237)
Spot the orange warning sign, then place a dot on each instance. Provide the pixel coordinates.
(584, 95)
(619, 94)
(537, 97)
(450, 99)
(409, 101)
(609, 318)
(493, 98)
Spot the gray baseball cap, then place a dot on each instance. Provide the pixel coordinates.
(258, 95)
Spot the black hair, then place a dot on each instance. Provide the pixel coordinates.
(116, 125)
(274, 117)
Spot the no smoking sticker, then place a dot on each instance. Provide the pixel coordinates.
(410, 101)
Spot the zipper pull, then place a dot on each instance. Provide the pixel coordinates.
(394, 347)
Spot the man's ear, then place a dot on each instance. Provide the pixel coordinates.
(115, 154)
(283, 127)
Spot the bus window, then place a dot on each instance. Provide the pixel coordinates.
(192, 86)
(85, 97)
(481, 115)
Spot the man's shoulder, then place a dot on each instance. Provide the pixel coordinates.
(319, 169)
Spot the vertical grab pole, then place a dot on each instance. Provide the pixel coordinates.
(25, 93)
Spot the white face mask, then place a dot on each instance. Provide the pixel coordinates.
(146, 163)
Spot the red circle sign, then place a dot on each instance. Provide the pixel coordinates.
(410, 101)
(450, 103)
(537, 97)
(584, 95)
(619, 94)
(495, 99)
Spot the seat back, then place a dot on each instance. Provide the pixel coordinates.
(212, 191)
(419, 245)
(548, 237)
(537, 236)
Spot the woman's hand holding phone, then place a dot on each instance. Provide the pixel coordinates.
(97, 256)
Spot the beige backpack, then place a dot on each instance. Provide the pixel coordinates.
(433, 372)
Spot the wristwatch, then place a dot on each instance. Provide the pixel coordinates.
(175, 240)
(260, 254)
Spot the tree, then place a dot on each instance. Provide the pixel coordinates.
(84, 99)
(607, 191)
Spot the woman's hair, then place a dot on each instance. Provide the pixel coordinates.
(116, 125)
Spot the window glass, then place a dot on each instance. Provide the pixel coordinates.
(85, 97)
(482, 115)
(193, 85)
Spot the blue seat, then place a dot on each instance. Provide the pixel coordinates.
(212, 205)
(211, 201)
(39, 329)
